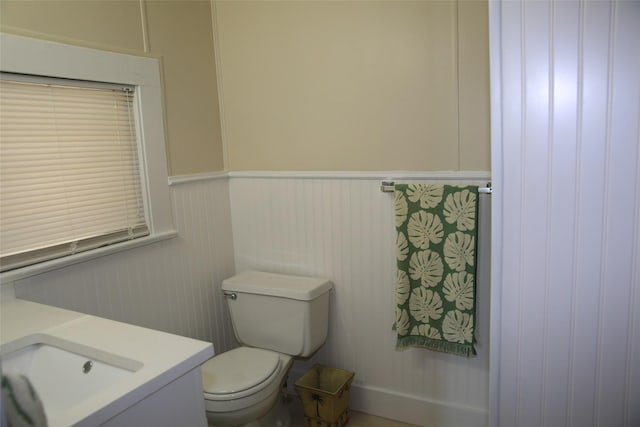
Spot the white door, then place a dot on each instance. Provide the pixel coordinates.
(566, 203)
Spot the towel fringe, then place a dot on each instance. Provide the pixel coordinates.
(467, 350)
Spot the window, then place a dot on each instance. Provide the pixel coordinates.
(69, 169)
(82, 157)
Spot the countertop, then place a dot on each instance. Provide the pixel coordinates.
(163, 357)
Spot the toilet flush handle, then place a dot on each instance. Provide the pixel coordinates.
(231, 295)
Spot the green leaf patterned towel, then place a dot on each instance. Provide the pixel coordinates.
(21, 405)
(436, 235)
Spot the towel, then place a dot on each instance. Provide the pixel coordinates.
(436, 236)
(20, 403)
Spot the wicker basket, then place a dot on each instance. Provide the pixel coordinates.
(324, 392)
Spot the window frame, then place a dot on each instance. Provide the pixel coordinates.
(24, 55)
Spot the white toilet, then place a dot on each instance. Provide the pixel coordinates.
(275, 317)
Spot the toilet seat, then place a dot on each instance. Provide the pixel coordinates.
(239, 373)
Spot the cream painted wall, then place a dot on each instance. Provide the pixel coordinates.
(473, 86)
(91, 23)
(179, 32)
(377, 85)
(317, 85)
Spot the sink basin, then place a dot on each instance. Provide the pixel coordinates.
(64, 373)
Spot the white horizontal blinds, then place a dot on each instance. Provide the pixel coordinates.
(70, 178)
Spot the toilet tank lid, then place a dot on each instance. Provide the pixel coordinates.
(280, 285)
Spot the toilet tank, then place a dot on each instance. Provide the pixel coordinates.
(283, 313)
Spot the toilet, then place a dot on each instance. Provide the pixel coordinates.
(275, 318)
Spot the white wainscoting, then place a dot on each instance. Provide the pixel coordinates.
(334, 225)
(566, 158)
(342, 228)
(173, 285)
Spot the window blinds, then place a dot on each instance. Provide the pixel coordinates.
(69, 171)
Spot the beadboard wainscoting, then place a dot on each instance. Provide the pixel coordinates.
(342, 227)
(172, 285)
(339, 226)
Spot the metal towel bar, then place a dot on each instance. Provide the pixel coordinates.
(389, 187)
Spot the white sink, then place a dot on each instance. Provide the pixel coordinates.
(64, 373)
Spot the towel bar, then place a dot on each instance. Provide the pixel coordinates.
(389, 187)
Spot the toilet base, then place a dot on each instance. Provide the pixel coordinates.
(278, 415)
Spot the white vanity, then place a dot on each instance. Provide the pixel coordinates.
(91, 371)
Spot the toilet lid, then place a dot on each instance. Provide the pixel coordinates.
(238, 370)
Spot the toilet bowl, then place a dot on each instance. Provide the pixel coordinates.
(275, 318)
(243, 384)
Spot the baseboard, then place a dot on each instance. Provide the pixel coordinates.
(408, 408)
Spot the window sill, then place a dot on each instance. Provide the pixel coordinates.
(55, 264)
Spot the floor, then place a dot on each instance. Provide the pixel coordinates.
(357, 419)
